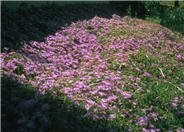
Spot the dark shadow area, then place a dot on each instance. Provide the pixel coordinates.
(23, 110)
(36, 23)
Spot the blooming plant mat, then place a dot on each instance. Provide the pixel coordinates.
(125, 70)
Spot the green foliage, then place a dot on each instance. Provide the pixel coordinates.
(20, 45)
(173, 15)
(19, 70)
(152, 8)
(142, 9)
(153, 11)
(173, 18)
(129, 11)
(18, 56)
(165, 15)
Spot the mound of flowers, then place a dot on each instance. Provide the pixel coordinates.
(104, 65)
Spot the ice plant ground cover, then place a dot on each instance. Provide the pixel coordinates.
(124, 70)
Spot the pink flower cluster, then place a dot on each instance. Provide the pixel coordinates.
(79, 61)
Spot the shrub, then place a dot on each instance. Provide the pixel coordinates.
(152, 8)
(173, 18)
(143, 8)
(172, 15)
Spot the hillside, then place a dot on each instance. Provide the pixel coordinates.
(124, 70)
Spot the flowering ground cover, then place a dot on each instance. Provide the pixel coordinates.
(127, 71)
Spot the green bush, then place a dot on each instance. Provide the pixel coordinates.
(173, 15)
(152, 8)
(173, 18)
(142, 9)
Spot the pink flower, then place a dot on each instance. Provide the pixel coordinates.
(137, 79)
(143, 121)
(103, 105)
(153, 115)
(180, 130)
(112, 97)
(151, 126)
(144, 110)
(91, 102)
(123, 115)
(151, 108)
(101, 94)
(127, 95)
(182, 84)
(87, 107)
(66, 73)
(145, 130)
(22, 76)
(174, 105)
(137, 68)
(93, 92)
(178, 57)
(112, 116)
(147, 74)
(152, 130)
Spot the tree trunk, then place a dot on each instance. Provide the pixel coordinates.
(176, 3)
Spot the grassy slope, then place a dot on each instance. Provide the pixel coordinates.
(154, 92)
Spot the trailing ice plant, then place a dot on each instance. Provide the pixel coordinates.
(111, 66)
